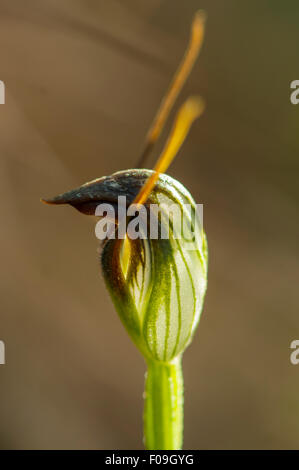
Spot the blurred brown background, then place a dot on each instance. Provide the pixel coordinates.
(83, 81)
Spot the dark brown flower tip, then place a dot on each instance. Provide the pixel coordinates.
(103, 190)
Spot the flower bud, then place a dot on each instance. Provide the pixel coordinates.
(158, 279)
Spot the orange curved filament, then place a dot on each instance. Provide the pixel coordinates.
(188, 112)
(182, 73)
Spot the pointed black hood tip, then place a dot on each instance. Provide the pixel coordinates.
(85, 198)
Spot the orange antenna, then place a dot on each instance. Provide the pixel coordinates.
(182, 73)
(188, 112)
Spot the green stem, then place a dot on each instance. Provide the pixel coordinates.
(163, 408)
